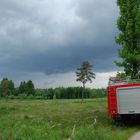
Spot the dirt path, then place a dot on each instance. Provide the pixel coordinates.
(136, 136)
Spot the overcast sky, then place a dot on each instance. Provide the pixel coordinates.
(46, 40)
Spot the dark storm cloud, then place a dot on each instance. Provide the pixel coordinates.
(55, 37)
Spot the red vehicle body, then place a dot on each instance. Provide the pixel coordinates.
(113, 103)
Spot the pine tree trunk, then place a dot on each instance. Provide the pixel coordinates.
(83, 92)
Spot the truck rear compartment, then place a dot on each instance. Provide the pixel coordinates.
(124, 99)
(128, 100)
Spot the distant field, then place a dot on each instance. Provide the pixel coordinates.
(58, 120)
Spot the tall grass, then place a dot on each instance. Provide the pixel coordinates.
(59, 120)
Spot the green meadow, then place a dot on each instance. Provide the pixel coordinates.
(59, 120)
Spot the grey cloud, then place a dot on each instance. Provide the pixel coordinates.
(37, 37)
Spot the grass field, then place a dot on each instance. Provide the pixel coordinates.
(59, 120)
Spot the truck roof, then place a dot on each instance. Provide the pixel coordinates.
(115, 81)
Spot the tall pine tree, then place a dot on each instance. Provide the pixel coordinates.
(85, 74)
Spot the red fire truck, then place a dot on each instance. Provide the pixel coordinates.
(123, 97)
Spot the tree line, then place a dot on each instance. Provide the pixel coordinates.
(7, 88)
(70, 93)
(26, 90)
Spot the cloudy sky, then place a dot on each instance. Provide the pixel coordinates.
(46, 40)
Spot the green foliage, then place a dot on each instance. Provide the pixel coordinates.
(71, 93)
(62, 93)
(22, 87)
(26, 87)
(129, 37)
(121, 75)
(26, 90)
(98, 93)
(6, 87)
(84, 73)
(30, 88)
